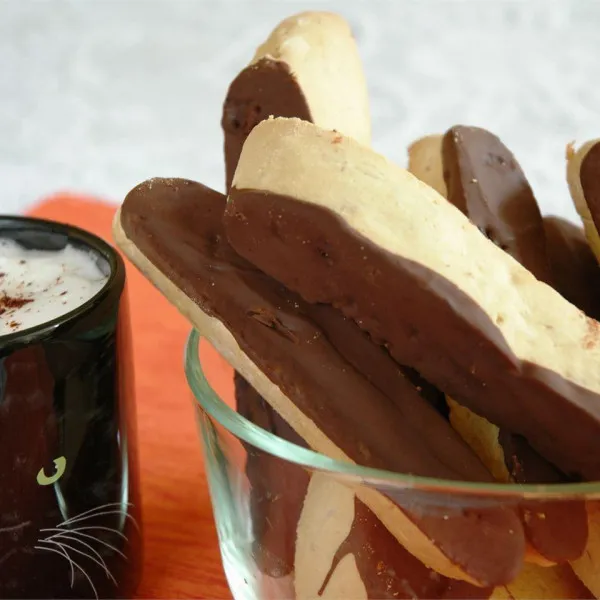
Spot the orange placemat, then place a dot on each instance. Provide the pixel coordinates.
(181, 553)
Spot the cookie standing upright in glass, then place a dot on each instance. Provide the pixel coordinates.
(69, 503)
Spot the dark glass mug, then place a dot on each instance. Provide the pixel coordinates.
(70, 524)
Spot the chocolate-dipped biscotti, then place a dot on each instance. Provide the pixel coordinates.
(309, 68)
(340, 225)
(347, 400)
(574, 268)
(177, 232)
(289, 516)
(479, 175)
(277, 489)
(431, 325)
(485, 182)
(583, 177)
(356, 556)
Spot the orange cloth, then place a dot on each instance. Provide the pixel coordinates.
(181, 553)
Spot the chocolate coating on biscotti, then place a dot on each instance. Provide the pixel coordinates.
(256, 305)
(557, 530)
(277, 488)
(277, 493)
(424, 320)
(309, 68)
(486, 183)
(358, 349)
(178, 225)
(575, 271)
(589, 174)
(388, 571)
(265, 88)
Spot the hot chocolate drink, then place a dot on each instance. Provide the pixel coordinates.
(37, 286)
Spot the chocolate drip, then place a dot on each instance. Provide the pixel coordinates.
(589, 174)
(427, 322)
(277, 488)
(487, 184)
(575, 270)
(387, 570)
(265, 88)
(178, 225)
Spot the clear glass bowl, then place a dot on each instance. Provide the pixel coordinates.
(295, 524)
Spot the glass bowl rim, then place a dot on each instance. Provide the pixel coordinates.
(208, 400)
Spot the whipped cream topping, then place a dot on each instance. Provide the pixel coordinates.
(37, 286)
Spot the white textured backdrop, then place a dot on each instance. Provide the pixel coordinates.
(96, 96)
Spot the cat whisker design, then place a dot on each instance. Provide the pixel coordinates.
(113, 505)
(58, 533)
(100, 514)
(74, 530)
(100, 562)
(87, 517)
(90, 528)
(64, 554)
(14, 528)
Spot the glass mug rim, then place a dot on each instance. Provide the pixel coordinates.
(39, 333)
(208, 400)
